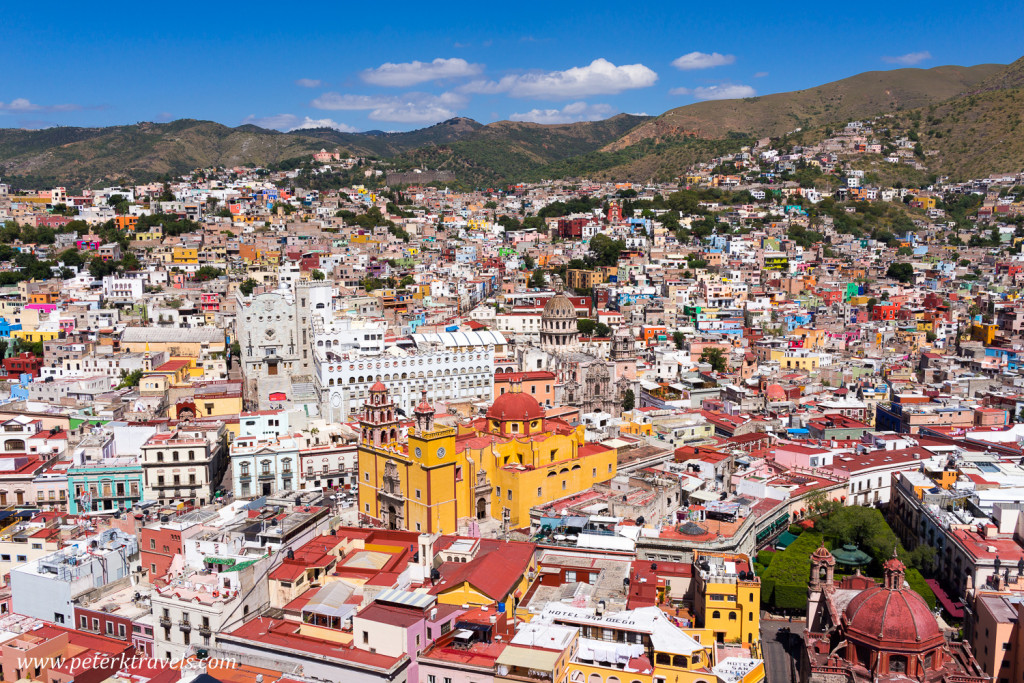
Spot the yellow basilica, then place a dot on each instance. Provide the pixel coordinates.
(496, 466)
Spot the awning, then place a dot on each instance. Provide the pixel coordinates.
(705, 495)
(597, 519)
(954, 609)
(785, 538)
(541, 660)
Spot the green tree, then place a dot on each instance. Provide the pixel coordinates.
(529, 263)
(628, 400)
(902, 272)
(207, 273)
(586, 326)
(131, 379)
(602, 330)
(248, 286)
(606, 250)
(537, 280)
(861, 526)
(819, 503)
(715, 357)
(407, 280)
(317, 275)
(678, 338)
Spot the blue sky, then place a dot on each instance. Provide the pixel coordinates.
(392, 66)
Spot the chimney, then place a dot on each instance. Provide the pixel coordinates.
(426, 543)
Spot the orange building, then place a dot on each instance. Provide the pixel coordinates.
(540, 384)
(126, 222)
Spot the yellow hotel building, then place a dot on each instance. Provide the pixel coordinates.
(727, 597)
(498, 466)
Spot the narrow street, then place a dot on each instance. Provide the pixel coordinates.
(780, 643)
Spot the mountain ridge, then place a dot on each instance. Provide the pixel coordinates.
(624, 146)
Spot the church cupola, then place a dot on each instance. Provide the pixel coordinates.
(424, 414)
(379, 425)
(895, 572)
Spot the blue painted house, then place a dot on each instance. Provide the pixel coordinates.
(6, 328)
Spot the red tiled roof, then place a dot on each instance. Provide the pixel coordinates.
(495, 571)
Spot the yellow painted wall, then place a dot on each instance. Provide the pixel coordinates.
(523, 472)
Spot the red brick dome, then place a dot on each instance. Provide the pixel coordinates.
(515, 406)
(896, 618)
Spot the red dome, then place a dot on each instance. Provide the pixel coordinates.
(896, 618)
(515, 406)
(775, 392)
(378, 386)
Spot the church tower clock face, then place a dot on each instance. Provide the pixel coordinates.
(440, 452)
(419, 452)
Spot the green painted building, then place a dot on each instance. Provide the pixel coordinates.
(112, 484)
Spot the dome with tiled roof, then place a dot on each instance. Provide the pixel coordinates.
(892, 615)
(515, 406)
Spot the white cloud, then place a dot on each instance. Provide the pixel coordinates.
(570, 113)
(760, 74)
(307, 123)
(309, 82)
(909, 59)
(21, 104)
(409, 108)
(702, 60)
(725, 91)
(600, 77)
(290, 122)
(411, 73)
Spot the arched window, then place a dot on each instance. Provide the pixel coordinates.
(897, 664)
(662, 658)
(14, 445)
(716, 615)
(732, 616)
(679, 660)
(594, 678)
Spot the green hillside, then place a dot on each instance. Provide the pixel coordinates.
(861, 96)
